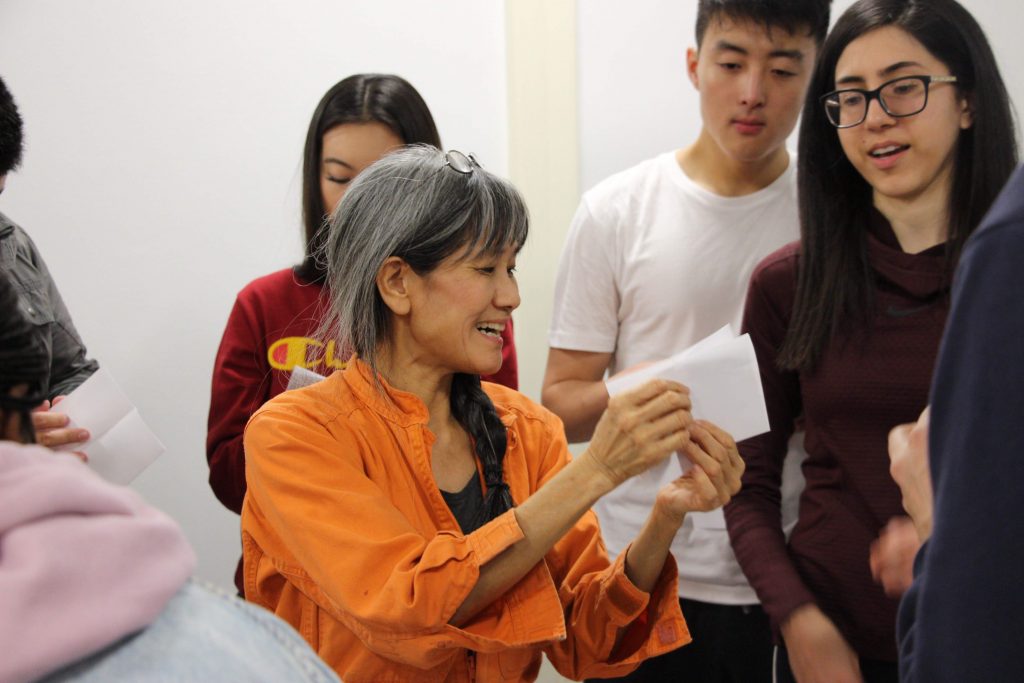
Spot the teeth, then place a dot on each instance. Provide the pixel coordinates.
(490, 330)
(882, 151)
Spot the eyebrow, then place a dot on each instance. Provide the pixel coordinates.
(726, 46)
(892, 68)
(332, 160)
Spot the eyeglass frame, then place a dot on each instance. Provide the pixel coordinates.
(876, 94)
(465, 162)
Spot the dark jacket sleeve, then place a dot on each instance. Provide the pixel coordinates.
(754, 515)
(69, 365)
(241, 384)
(959, 621)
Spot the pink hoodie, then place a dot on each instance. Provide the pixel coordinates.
(83, 563)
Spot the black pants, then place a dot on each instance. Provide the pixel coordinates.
(730, 645)
(872, 670)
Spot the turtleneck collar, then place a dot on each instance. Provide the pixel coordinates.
(921, 275)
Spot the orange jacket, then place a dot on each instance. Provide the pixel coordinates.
(346, 536)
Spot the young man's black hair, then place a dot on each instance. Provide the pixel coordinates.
(790, 15)
(11, 136)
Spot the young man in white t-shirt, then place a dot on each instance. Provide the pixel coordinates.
(658, 257)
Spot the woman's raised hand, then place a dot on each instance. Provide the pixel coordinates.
(640, 428)
(715, 477)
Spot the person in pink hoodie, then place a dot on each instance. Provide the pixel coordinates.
(94, 583)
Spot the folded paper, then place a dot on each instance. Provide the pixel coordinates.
(121, 445)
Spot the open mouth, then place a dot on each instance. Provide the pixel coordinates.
(888, 151)
(491, 329)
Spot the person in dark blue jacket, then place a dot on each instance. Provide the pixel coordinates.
(960, 619)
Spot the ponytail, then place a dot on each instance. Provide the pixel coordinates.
(473, 409)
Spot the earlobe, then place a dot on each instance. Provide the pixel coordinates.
(692, 58)
(392, 285)
(966, 113)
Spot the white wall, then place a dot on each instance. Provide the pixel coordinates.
(635, 98)
(162, 173)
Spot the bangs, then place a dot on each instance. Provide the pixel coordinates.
(498, 220)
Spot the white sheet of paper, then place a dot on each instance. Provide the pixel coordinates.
(122, 446)
(97, 405)
(301, 377)
(725, 388)
(125, 451)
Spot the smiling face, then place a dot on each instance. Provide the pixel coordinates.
(752, 83)
(458, 311)
(347, 150)
(909, 158)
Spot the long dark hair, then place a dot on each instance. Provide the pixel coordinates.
(362, 98)
(409, 205)
(835, 281)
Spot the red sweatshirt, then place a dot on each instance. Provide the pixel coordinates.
(864, 385)
(269, 332)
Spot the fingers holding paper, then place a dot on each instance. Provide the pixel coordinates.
(52, 428)
(715, 477)
(640, 428)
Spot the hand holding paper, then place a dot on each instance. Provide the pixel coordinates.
(121, 445)
(725, 388)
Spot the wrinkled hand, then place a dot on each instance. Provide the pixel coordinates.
(52, 428)
(892, 556)
(715, 477)
(818, 653)
(908, 451)
(640, 428)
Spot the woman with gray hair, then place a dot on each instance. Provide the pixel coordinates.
(417, 525)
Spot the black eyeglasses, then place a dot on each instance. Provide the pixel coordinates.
(462, 163)
(900, 97)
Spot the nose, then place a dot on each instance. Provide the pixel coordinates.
(876, 116)
(506, 295)
(752, 94)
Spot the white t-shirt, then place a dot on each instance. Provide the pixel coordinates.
(654, 263)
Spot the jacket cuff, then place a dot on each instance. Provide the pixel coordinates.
(495, 537)
(653, 622)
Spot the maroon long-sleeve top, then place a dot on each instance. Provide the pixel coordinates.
(865, 384)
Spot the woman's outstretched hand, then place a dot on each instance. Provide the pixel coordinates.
(640, 428)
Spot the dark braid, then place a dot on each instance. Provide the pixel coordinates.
(475, 412)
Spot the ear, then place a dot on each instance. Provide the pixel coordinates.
(966, 113)
(393, 284)
(692, 58)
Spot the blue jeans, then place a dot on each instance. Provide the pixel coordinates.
(204, 635)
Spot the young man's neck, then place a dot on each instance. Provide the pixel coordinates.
(706, 164)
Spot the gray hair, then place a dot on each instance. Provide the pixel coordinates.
(410, 205)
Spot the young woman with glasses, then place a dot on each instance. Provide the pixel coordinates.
(906, 139)
(416, 525)
(271, 329)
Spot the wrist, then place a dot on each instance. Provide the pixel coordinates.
(794, 619)
(663, 514)
(599, 477)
